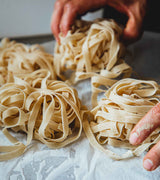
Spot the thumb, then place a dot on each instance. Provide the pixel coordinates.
(133, 30)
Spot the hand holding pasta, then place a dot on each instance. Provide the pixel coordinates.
(66, 11)
(33, 101)
(93, 50)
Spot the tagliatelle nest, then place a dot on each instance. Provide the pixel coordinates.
(32, 101)
(17, 59)
(92, 49)
(125, 103)
(51, 114)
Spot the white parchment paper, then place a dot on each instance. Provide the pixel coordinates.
(79, 161)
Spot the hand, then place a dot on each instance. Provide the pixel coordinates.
(142, 130)
(66, 11)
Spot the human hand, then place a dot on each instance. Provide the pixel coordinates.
(142, 130)
(66, 11)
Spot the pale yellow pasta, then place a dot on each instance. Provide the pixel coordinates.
(33, 101)
(124, 104)
(93, 50)
(51, 114)
(21, 60)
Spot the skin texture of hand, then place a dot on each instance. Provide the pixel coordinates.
(142, 130)
(66, 11)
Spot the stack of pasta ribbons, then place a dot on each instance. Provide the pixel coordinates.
(124, 104)
(93, 50)
(33, 101)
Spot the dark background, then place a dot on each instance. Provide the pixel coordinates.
(151, 20)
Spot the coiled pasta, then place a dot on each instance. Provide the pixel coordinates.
(93, 50)
(34, 102)
(21, 60)
(125, 103)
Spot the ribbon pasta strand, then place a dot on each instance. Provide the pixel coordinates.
(92, 50)
(33, 101)
(51, 114)
(17, 59)
(125, 103)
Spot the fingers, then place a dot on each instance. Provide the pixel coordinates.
(69, 14)
(66, 11)
(56, 17)
(74, 8)
(64, 14)
(145, 126)
(152, 159)
(136, 12)
(133, 29)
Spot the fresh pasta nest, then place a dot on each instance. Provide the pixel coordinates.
(92, 49)
(51, 114)
(125, 103)
(33, 101)
(17, 59)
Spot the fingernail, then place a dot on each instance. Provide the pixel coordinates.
(133, 138)
(148, 164)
